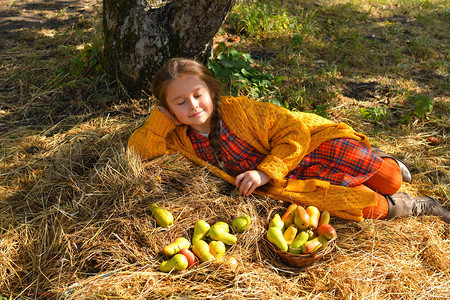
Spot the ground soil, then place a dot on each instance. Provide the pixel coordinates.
(20, 15)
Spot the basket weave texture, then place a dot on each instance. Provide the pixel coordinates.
(297, 260)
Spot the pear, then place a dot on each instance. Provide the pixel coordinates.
(201, 250)
(176, 246)
(223, 225)
(178, 262)
(240, 224)
(275, 236)
(290, 233)
(218, 233)
(311, 234)
(277, 222)
(314, 214)
(163, 217)
(296, 245)
(192, 259)
(311, 246)
(327, 231)
(324, 218)
(301, 218)
(288, 216)
(201, 229)
(217, 249)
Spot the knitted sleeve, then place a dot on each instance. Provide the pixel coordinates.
(150, 140)
(286, 137)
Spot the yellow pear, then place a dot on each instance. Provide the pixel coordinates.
(217, 233)
(176, 246)
(163, 217)
(217, 249)
(324, 218)
(277, 222)
(290, 233)
(178, 262)
(201, 250)
(201, 229)
(314, 214)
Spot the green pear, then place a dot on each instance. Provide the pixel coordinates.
(201, 250)
(324, 218)
(275, 236)
(201, 229)
(178, 262)
(296, 245)
(218, 233)
(176, 246)
(301, 218)
(314, 215)
(240, 224)
(163, 217)
(217, 249)
(277, 222)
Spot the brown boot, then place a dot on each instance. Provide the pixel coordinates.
(406, 174)
(403, 204)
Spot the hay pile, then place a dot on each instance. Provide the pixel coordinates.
(74, 224)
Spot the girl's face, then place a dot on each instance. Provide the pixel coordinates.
(190, 100)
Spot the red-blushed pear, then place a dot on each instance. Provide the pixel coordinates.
(288, 216)
(311, 246)
(327, 231)
(301, 218)
(314, 215)
(192, 259)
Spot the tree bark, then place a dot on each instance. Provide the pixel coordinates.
(140, 35)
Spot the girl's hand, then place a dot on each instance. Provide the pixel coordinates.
(169, 115)
(248, 181)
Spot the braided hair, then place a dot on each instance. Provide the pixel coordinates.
(176, 67)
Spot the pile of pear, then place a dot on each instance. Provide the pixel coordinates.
(300, 230)
(209, 242)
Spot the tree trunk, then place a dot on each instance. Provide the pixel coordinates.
(140, 35)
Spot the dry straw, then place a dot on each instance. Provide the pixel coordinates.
(79, 228)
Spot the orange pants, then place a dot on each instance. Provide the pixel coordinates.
(387, 181)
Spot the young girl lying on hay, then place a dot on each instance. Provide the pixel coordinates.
(265, 149)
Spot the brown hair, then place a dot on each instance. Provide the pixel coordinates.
(176, 67)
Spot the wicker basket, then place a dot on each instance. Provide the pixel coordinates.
(298, 260)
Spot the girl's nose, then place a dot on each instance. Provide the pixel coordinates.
(194, 103)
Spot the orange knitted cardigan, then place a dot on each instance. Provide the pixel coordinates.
(284, 136)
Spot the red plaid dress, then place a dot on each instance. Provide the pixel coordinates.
(344, 162)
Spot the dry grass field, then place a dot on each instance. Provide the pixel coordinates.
(74, 204)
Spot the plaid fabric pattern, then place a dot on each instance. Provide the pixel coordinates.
(238, 156)
(344, 162)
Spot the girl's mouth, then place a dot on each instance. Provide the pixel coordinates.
(196, 114)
